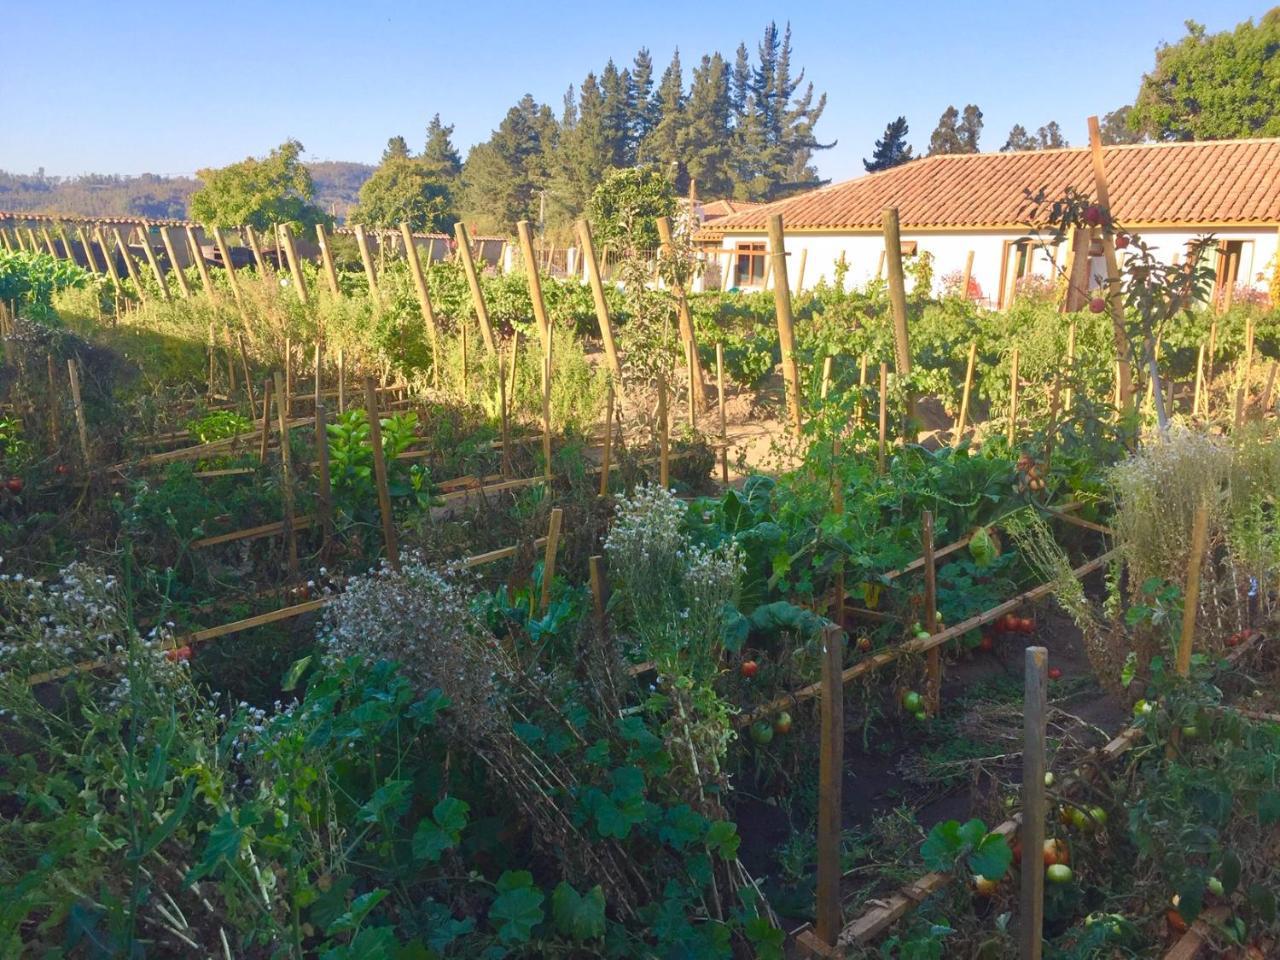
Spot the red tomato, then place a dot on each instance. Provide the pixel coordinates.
(1122, 241)
(14, 484)
(986, 644)
(1177, 923)
(1055, 851)
(1055, 673)
(748, 669)
(178, 654)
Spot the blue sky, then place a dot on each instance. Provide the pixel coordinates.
(167, 88)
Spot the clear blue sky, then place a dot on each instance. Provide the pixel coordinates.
(168, 88)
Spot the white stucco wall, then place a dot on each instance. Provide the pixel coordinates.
(862, 252)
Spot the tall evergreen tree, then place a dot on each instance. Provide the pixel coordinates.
(503, 175)
(585, 152)
(1047, 137)
(704, 141)
(662, 147)
(644, 114)
(892, 149)
(617, 107)
(396, 148)
(970, 128)
(741, 80)
(439, 154)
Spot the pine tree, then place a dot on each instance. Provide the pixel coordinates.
(439, 154)
(1019, 140)
(396, 148)
(892, 149)
(585, 152)
(662, 146)
(617, 109)
(704, 141)
(644, 114)
(970, 128)
(503, 175)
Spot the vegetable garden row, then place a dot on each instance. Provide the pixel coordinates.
(454, 640)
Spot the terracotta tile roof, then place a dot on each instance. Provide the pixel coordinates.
(1209, 183)
(715, 209)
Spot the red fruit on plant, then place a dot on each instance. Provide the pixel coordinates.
(1233, 640)
(1093, 214)
(1097, 305)
(1055, 851)
(782, 723)
(178, 654)
(62, 469)
(986, 644)
(14, 484)
(1055, 673)
(1177, 922)
(748, 669)
(1122, 241)
(864, 644)
(1026, 625)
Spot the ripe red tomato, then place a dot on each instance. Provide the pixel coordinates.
(986, 644)
(1177, 922)
(1027, 625)
(1055, 673)
(178, 654)
(748, 669)
(62, 469)
(1122, 241)
(14, 484)
(1055, 851)
(1097, 305)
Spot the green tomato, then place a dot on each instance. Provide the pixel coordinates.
(1048, 779)
(912, 702)
(762, 732)
(1215, 886)
(1059, 873)
(1143, 708)
(1099, 815)
(1191, 731)
(921, 716)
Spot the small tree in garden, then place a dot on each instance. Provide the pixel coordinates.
(625, 208)
(259, 192)
(1154, 292)
(405, 190)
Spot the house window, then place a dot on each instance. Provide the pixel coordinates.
(749, 265)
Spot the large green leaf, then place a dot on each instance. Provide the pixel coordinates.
(518, 907)
(578, 916)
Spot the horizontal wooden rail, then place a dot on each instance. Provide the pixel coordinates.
(252, 533)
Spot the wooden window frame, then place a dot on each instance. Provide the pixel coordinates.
(750, 250)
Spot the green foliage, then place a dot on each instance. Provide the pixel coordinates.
(405, 190)
(30, 280)
(259, 192)
(351, 464)
(625, 207)
(956, 847)
(219, 425)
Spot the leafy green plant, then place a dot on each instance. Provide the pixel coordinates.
(219, 425)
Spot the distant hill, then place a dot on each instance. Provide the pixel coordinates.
(147, 195)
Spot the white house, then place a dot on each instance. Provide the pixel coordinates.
(954, 206)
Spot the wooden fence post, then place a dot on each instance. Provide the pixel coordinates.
(664, 434)
(251, 235)
(535, 282)
(228, 268)
(1035, 706)
(424, 299)
(1013, 398)
(380, 474)
(830, 772)
(366, 259)
(1115, 297)
(326, 257)
(549, 558)
(697, 385)
(284, 238)
(130, 266)
(884, 418)
(963, 420)
(602, 305)
(286, 475)
(724, 432)
(608, 441)
(73, 373)
(933, 659)
(473, 281)
(786, 326)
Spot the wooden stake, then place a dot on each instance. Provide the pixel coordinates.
(602, 305)
(599, 593)
(966, 276)
(862, 388)
(424, 300)
(697, 388)
(502, 411)
(884, 418)
(342, 383)
(203, 268)
(826, 376)
(73, 373)
(107, 258)
(1115, 296)
(549, 557)
(786, 325)
(691, 378)
(962, 421)
(266, 421)
(1035, 707)
(251, 235)
(244, 362)
(933, 661)
(228, 268)
(129, 264)
(380, 474)
(90, 259)
(473, 281)
(608, 441)
(370, 274)
(664, 436)
(318, 365)
(288, 376)
(284, 238)
(1071, 366)
(724, 432)
(830, 781)
(326, 257)
(804, 257)
(286, 477)
(1195, 399)
(54, 428)
(535, 282)
(898, 301)
(1266, 393)
(1013, 398)
(48, 242)
(324, 485)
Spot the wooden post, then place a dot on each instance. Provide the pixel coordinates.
(82, 428)
(318, 366)
(884, 418)
(1013, 398)
(724, 432)
(265, 439)
(1071, 365)
(129, 264)
(825, 388)
(288, 376)
(228, 267)
(198, 257)
(342, 382)
(898, 301)
(535, 282)
(502, 413)
(1195, 398)
(599, 592)
(324, 485)
(244, 362)
(251, 235)
(830, 781)
(966, 276)
(107, 258)
(145, 234)
(1191, 592)
(602, 305)
(284, 239)
(549, 558)
(370, 274)
(546, 412)
(326, 257)
(963, 420)
(664, 436)
(804, 257)
(862, 388)
(424, 300)
(1115, 296)
(689, 363)
(380, 474)
(933, 659)
(786, 326)
(697, 386)
(48, 242)
(90, 259)
(473, 281)
(286, 475)
(608, 441)
(1035, 706)
(54, 429)
(1267, 391)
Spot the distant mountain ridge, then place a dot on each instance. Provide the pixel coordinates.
(337, 182)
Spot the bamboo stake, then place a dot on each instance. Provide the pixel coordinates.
(1115, 296)
(342, 383)
(608, 441)
(786, 325)
(898, 301)
(830, 776)
(370, 274)
(284, 238)
(54, 428)
(1195, 399)
(129, 264)
(324, 484)
(884, 418)
(933, 661)
(424, 300)
(1035, 707)
(286, 476)
(546, 411)
(1013, 398)
(697, 388)
(535, 282)
(549, 558)
(602, 305)
(724, 432)
(966, 276)
(1071, 366)
(73, 373)
(326, 257)
(963, 420)
(266, 421)
(664, 435)
(380, 474)
(244, 362)
(473, 281)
